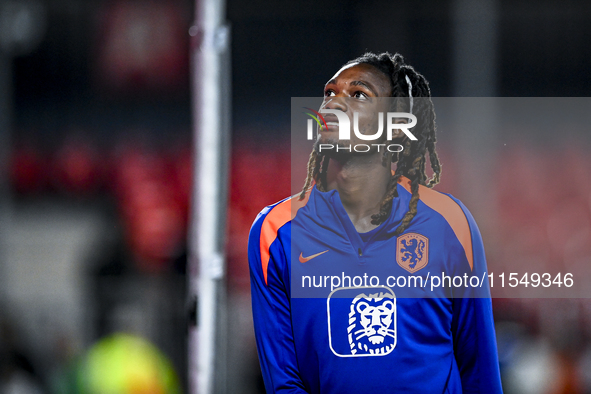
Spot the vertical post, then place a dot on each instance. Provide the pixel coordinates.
(22, 26)
(5, 136)
(210, 55)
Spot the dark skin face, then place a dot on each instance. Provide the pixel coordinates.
(355, 88)
(361, 81)
(361, 179)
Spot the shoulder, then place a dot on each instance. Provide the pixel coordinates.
(275, 216)
(453, 212)
(267, 224)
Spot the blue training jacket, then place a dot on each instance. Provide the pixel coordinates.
(336, 311)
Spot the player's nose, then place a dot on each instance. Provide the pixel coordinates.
(335, 102)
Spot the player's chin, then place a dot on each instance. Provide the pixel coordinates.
(328, 139)
(343, 148)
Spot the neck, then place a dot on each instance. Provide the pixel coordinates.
(362, 183)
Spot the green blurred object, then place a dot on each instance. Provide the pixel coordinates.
(126, 364)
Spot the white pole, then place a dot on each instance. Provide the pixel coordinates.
(5, 139)
(211, 121)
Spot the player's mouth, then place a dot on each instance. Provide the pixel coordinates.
(332, 122)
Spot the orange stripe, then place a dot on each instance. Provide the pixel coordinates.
(450, 211)
(279, 215)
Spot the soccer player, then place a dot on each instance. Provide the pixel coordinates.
(342, 274)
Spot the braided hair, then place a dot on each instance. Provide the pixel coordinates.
(411, 163)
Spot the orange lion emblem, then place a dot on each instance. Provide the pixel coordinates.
(412, 251)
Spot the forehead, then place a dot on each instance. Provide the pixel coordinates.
(366, 73)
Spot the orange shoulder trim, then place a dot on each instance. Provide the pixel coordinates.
(451, 212)
(279, 215)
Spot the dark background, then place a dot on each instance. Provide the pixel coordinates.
(97, 161)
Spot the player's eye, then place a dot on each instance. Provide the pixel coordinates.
(360, 95)
(329, 93)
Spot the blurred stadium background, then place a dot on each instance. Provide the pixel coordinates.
(96, 160)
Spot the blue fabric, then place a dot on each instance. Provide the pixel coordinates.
(314, 336)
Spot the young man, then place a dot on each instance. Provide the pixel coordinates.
(343, 274)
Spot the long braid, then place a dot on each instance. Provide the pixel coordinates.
(323, 179)
(317, 166)
(412, 162)
(433, 158)
(310, 177)
(412, 207)
(386, 204)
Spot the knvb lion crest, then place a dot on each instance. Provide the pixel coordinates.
(412, 251)
(362, 321)
(372, 321)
